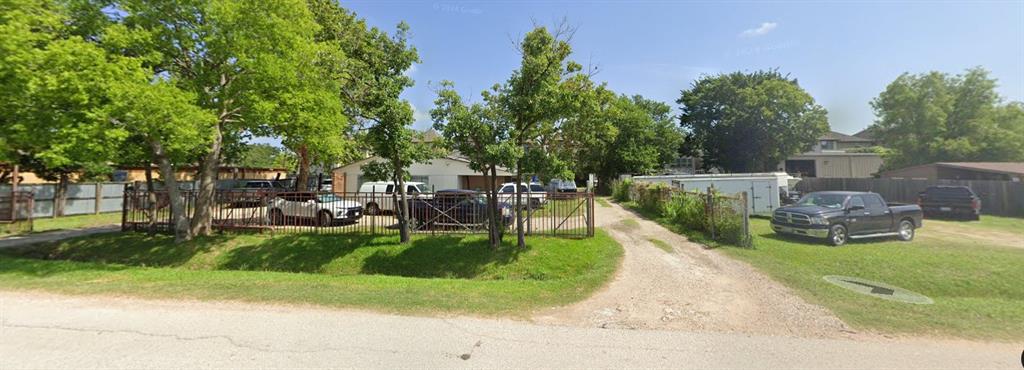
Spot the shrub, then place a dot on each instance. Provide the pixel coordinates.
(621, 189)
(689, 210)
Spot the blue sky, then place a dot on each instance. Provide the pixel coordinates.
(843, 54)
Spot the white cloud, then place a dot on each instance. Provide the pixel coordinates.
(419, 116)
(763, 29)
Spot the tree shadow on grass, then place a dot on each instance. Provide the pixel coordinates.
(133, 249)
(297, 253)
(441, 257)
(41, 268)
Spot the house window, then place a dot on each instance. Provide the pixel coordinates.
(828, 145)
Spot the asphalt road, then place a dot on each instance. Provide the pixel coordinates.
(49, 331)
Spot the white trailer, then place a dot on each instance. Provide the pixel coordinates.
(763, 189)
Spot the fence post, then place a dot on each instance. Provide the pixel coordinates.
(126, 200)
(746, 220)
(710, 204)
(99, 197)
(590, 214)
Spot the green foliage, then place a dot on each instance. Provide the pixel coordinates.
(688, 211)
(936, 117)
(431, 274)
(641, 138)
(265, 156)
(621, 190)
(749, 122)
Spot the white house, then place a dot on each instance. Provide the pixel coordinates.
(450, 172)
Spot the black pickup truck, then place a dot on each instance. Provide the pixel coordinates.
(946, 201)
(838, 216)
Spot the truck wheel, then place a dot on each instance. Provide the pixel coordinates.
(837, 235)
(372, 209)
(276, 217)
(324, 219)
(906, 231)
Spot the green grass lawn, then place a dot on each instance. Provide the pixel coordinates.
(977, 287)
(602, 201)
(72, 222)
(458, 274)
(1008, 224)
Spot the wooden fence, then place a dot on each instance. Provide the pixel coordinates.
(1003, 198)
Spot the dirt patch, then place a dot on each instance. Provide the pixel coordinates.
(690, 288)
(967, 231)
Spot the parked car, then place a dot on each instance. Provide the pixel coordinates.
(562, 186)
(322, 209)
(454, 208)
(534, 194)
(379, 195)
(838, 216)
(253, 193)
(950, 201)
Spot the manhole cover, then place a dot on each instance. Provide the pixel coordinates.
(878, 290)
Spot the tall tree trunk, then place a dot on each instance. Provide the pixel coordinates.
(520, 236)
(60, 199)
(403, 209)
(150, 200)
(182, 232)
(202, 219)
(302, 179)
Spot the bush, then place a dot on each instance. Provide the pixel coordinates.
(689, 210)
(621, 189)
(651, 197)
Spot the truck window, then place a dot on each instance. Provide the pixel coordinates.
(856, 201)
(537, 188)
(411, 189)
(390, 189)
(873, 201)
(507, 189)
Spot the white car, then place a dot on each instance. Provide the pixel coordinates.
(378, 195)
(534, 195)
(323, 209)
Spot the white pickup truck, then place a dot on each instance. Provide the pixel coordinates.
(534, 195)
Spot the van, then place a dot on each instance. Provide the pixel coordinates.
(377, 195)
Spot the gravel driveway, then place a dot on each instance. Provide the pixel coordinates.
(691, 288)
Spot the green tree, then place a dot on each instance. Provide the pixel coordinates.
(642, 138)
(51, 84)
(935, 117)
(254, 64)
(479, 132)
(749, 122)
(544, 92)
(372, 79)
(265, 156)
(73, 103)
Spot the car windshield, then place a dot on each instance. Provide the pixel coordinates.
(328, 198)
(823, 200)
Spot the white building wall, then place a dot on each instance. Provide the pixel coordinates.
(442, 173)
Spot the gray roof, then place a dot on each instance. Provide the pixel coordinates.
(832, 135)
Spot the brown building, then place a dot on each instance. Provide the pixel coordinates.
(1004, 171)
